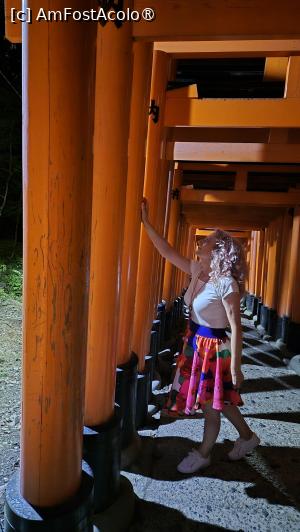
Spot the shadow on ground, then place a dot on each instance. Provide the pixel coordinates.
(271, 470)
(153, 517)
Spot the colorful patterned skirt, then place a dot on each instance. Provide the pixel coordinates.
(203, 372)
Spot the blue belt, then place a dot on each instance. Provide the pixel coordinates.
(207, 332)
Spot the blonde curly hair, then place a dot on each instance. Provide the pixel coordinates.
(228, 259)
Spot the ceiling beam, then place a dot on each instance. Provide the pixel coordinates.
(232, 167)
(235, 234)
(233, 152)
(238, 197)
(206, 134)
(232, 112)
(218, 20)
(224, 216)
(236, 48)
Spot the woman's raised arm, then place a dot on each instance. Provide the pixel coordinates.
(161, 244)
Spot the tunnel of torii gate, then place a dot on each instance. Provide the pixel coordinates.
(106, 121)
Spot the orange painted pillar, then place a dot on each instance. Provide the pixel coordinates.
(112, 106)
(57, 174)
(165, 204)
(172, 232)
(293, 292)
(179, 237)
(13, 26)
(259, 262)
(265, 266)
(248, 255)
(274, 250)
(183, 251)
(155, 161)
(285, 263)
(190, 250)
(135, 181)
(252, 268)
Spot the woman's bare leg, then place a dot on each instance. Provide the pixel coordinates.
(233, 414)
(212, 423)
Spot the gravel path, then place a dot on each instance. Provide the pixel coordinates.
(10, 365)
(258, 494)
(261, 493)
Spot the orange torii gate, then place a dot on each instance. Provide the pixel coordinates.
(92, 280)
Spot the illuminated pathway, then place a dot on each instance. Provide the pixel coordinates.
(258, 493)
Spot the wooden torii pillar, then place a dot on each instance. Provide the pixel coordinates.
(135, 182)
(172, 232)
(58, 85)
(126, 385)
(155, 162)
(292, 308)
(274, 237)
(284, 280)
(259, 263)
(114, 63)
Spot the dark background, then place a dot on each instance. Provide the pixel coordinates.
(10, 137)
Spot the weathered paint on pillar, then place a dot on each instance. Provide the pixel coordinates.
(274, 250)
(293, 292)
(172, 231)
(259, 262)
(284, 262)
(112, 106)
(253, 252)
(190, 249)
(155, 160)
(13, 26)
(248, 255)
(135, 182)
(165, 204)
(57, 180)
(265, 265)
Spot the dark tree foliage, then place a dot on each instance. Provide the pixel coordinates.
(10, 137)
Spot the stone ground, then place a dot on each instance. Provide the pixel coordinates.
(259, 493)
(10, 364)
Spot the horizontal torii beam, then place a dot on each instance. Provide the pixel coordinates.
(235, 167)
(235, 234)
(220, 134)
(234, 152)
(182, 20)
(232, 112)
(230, 48)
(241, 198)
(225, 217)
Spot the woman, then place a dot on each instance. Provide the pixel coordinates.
(213, 376)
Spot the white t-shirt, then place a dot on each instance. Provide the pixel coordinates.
(208, 308)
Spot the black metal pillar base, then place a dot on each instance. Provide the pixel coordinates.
(75, 514)
(144, 391)
(264, 317)
(161, 315)
(249, 302)
(282, 328)
(272, 322)
(254, 305)
(102, 451)
(156, 326)
(153, 342)
(126, 387)
(259, 306)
